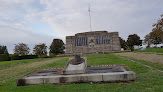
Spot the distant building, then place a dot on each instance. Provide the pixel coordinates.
(137, 47)
(93, 42)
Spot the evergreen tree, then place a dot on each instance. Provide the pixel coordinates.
(57, 47)
(3, 50)
(133, 40)
(123, 43)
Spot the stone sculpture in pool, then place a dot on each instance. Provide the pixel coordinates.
(77, 71)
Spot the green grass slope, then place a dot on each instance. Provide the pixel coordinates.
(14, 63)
(152, 50)
(147, 80)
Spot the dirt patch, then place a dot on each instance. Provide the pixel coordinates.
(146, 57)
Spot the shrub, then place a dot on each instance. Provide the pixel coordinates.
(43, 56)
(51, 55)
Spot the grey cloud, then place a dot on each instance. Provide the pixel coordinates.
(68, 17)
(125, 16)
(11, 36)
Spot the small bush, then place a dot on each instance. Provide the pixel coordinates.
(42, 56)
(51, 55)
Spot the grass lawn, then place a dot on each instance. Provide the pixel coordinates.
(155, 65)
(152, 50)
(8, 64)
(23, 60)
(147, 80)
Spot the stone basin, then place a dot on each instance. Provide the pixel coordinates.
(100, 73)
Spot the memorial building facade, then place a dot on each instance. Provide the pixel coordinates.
(93, 42)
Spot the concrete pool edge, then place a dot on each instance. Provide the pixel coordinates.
(126, 75)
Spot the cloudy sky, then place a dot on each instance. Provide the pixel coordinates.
(40, 21)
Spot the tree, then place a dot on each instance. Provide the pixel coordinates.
(57, 46)
(123, 43)
(21, 49)
(3, 50)
(147, 40)
(133, 40)
(159, 24)
(40, 50)
(156, 36)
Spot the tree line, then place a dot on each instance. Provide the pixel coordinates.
(22, 49)
(132, 40)
(154, 37)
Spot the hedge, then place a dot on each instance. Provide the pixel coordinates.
(28, 56)
(4, 57)
(16, 57)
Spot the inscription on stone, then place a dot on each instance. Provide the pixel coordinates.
(93, 42)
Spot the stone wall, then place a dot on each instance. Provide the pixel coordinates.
(93, 42)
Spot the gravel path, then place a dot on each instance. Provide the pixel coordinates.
(141, 64)
(146, 57)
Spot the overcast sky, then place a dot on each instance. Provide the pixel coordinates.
(40, 21)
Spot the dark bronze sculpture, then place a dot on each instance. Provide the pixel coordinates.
(77, 60)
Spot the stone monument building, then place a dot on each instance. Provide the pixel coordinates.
(93, 42)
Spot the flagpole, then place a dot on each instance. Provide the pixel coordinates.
(89, 10)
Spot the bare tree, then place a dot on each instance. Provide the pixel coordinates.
(40, 50)
(21, 49)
